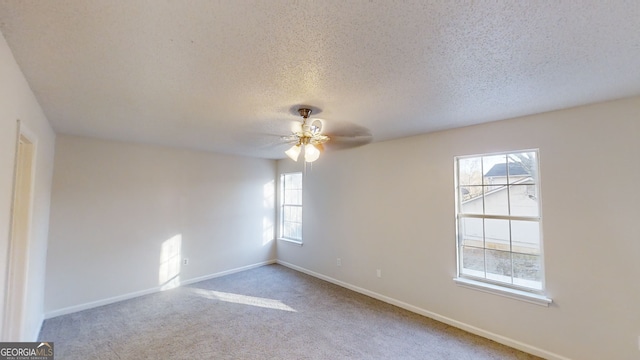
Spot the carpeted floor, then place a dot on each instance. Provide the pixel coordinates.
(270, 312)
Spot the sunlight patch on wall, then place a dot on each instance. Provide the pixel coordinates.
(269, 193)
(170, 255)
(267, 230)
(242, 299)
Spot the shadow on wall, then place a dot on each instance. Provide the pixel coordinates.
(170, 255)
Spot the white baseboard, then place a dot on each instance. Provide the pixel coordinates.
(114, 299)
(97, 303)
(227, 272)
(455, 323)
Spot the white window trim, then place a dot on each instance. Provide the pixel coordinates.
(296, 242)
(537, 297)
(503, 291)
(281, 212)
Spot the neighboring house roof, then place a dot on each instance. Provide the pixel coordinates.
(515, 169)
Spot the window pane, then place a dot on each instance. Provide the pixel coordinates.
(470, 171)
(293, 197)
(471, 232)
(497, 235)
(525, 236)
(526, 271)
(291, 216)
(297, 181)
(469, 192)
(292, 230)
(287, 229)
(522, 168)
(496, 200)
(524, 200)
(498, 265)
(297, 231)
(472, 262)
(288, 180)
(296, 214)
(297, 197)
(495, 169)
(493, 191)
(471, 201)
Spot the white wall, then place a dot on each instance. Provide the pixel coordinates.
(115, 204)
(17, 101)
(390, 206)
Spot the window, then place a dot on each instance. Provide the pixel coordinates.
(291, 207)
(499, 239)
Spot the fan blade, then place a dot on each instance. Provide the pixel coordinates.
(343, 128)
(267, 141)
(345, 135)
(289, 138)
(296, 127)
(347, 142)
(266, 134)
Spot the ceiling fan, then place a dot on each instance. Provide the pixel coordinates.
(308, 137)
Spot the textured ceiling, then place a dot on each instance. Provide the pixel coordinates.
(224, 75)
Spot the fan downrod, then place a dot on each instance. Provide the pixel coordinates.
(304, 112)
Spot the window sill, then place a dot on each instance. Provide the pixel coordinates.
(296, 242)
(503, 291)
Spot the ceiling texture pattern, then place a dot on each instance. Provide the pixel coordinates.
(224, 76)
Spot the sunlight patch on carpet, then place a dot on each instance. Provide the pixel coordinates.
(242, 299)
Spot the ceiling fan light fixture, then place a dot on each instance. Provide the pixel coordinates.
(311, 153)
(294, 152)
(308, 138)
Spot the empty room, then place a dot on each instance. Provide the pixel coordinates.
(320, 179)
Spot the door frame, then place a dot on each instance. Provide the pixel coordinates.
(17, 272)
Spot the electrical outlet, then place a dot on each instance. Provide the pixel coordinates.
(339, 262)
(185, 261)
(379, 273)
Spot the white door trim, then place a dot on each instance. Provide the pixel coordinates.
(19, 235)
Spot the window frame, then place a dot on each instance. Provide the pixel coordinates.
(511, 290)
(283, 205)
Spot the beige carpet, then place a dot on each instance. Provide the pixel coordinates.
(271, 312)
